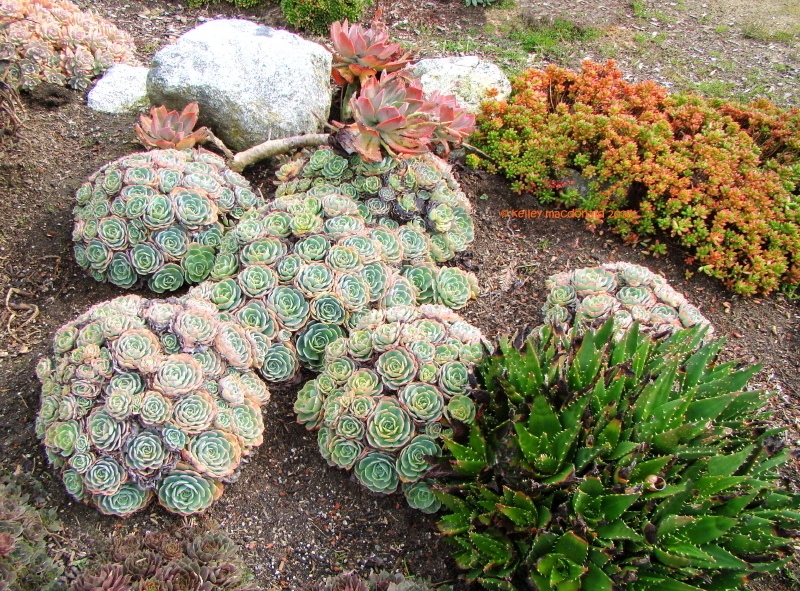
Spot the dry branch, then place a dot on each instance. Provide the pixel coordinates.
(275, 147)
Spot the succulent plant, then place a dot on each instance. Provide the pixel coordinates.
(24, 527)
(150, 398)
(306, 265)
(380, 581)
(386, 390)
(360, 53)
(419, 191)
(207, 561)
(455, 123)
(390, 113)
(627, 292)
(170, 129)
(603, 463)
(160, 215)
(53, 41)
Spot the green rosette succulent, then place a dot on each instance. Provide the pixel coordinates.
(603, 461)
(290, 306)
(364, 405)
(120, 406)
(359, 345)
(344, 453)
(187, 492)
(453, 377)
(586, 298)
(396, 367)
(149, 216)
(389, 427)
(454, 288)
(168, 278)
(313, 339)
(376, 471)
(420, 496)
(308, 405)
(412, 462)
(461, 408)
(353, 291)
(105, 477)
(340, 369)
(129, 499)
(281, 363)
(197, 262)
(214, 453)
(364, 382)
(423, 401)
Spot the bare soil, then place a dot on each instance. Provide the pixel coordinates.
(296, 518)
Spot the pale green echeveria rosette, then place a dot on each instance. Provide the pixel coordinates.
(308, 405)
(376, 471)
(150, 216)
(135, 385)
(343, 452)
(389, 427)
(628, 293)
(397, 367)
(412, 461)
(145, 454)
(312, 341)
(129, 499)
(186, 492)
(419, 496)
(214, 453)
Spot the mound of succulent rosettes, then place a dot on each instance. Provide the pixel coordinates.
(629, 293)
(632, 463)
(53, 41)
(160, 215)
(24, 562)
(202, 561)
(388, 391)
(151, 398)
(309, 267)
(418, 191)
(382, 581)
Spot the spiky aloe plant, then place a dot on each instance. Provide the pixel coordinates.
(158, 215)
(419, 191)
(24, 527)
(147, 398)
(197, 560)
(603, 464)
(56, 42)
(623, 291)
(170, 129)
(386, 392)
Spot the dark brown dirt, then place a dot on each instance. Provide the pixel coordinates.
(296, 518)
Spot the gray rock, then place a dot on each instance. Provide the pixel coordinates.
(252, 82)
(123, 88)
(466, 77)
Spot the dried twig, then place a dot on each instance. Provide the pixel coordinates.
(11, 307)
(275, 147)
(219, 144)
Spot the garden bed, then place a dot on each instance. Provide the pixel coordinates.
(297, 519)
